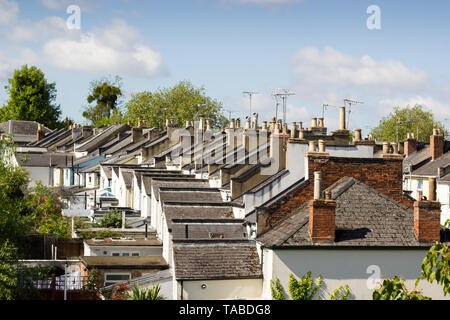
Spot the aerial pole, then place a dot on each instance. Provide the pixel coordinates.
(283, 94)
(350, 102)
(250, 94)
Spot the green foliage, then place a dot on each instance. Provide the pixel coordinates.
(111, 219)
(277, 289)
(341, 293)
(436, 266)
(395, 289)
(93, 285)
(46, 211)
(106, 94)
(183, 102)
(411, 120)
(8, 275)
(31, 98)
(14, 222)
(304, 289)
(146, 294)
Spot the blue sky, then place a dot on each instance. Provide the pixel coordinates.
(320, 50)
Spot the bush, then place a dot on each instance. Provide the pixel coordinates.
(112, 219)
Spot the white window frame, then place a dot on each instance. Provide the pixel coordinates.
(112, 282)
(130, 253)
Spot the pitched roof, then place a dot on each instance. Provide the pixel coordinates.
(191, 196)
(431, 167)
(208, 261)
(197, 211)
(21, 127)
(208, 229)
(44, 159)
(364, 218)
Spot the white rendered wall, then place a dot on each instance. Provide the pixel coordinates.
(341, 267)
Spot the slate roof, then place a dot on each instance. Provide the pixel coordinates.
(189, 196)
(127, 178)
(149, 178)
(182, 182)
(209, 261)
(21, 127)
(364, 218)
(44, 159)
(417, 158)
(135, 243)
(207, 229)
(431, 167)
(203, 212)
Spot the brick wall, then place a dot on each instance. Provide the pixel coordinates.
(427, 220)
(436, 146)
(322, 214)
(383, 174)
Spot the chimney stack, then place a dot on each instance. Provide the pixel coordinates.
(136, 134)
(410, 144)
(40, 134)
(436, 144)
(342, 118)
(427, 220)
(322, 214)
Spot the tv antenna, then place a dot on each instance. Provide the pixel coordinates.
(250, 94)
(229, 113)
(283, 94)
(326, 106)
(350, 102)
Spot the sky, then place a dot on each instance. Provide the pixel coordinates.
(321, 51)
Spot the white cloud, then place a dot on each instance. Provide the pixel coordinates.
(35, 31)
(85, 5)
(11, 60)
(8, 12)
(114, 49)
(332, 67)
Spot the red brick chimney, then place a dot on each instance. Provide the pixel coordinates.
(410, 145)
(322, 216)
(40, 134)
(427, 220)
(436, 144)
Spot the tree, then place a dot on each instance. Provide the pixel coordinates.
(395, 289)
(106, 94)
(31, 98)
(8, 275)
(305, 289)
(111, 219)
(183, 102)
(407, 120)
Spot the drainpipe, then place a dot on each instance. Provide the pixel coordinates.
(181, 297)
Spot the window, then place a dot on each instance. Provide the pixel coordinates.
(125, 254)
(113, 278)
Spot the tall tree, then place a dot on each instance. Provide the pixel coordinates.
(183, 102)
(31, 98)
(401, 121)
(106, 94)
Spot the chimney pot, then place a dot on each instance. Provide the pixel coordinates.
(321, 124)
(342, 118)
(317, 185)
(394, 147)
(357, 135)
(321, 146)
(238, 123)
(312, 146)
(293, 130)
(232, 123)
(432, 189)
(385, 147)
(314, 123)
(301, 134)
(264, 125)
